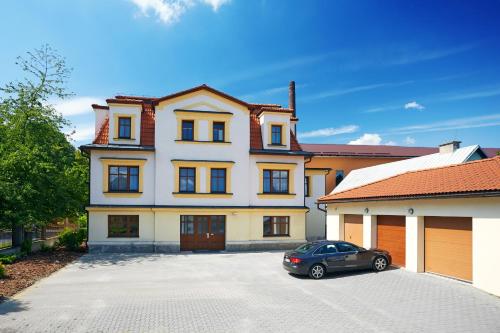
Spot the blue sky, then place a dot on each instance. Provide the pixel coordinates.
(392, 72)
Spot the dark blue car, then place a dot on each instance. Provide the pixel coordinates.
(320, 257)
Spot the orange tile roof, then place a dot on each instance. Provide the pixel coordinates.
(459, 179)
(102, 138)
(255, 133)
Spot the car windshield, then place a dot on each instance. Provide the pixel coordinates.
(304, 248)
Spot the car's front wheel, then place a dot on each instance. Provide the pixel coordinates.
(317, 271)
(379, 264)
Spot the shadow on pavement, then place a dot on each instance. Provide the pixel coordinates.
(8, 305)
(346, 274)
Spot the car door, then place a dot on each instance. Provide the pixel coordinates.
(350, 255)
(333, 259)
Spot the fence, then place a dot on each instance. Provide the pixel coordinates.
(50, 231)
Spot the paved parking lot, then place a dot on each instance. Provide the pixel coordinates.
(241, 292)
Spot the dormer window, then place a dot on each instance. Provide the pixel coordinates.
(124, 127)
(218, 131)
(187, 130)
(276, 135)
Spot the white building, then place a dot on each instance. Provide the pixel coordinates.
(443, 220)
(195, 170)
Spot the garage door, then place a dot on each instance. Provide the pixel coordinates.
(353, 229)
(448, 246)
(391, 236)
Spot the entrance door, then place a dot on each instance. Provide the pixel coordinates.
(201, 232)
(353, 229)
(448, 246)
(391, 236)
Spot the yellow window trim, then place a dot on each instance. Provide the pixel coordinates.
(132, 117)
(277, 166)
(196, 117)
(107, 161)
(276, 196)
(270, 133)
(198, 165)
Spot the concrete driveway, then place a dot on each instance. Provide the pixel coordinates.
(241, 292)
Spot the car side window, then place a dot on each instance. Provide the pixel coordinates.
(326, 249)
(345, 247)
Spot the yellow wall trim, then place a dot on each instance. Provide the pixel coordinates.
(106, 162)
(267, 210)
(132, 117)
(276, 196)
(283, 133)
(203, 92)
(203, 195)
(198, 165)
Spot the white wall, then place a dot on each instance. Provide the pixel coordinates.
(267, 118)
(315, 218)
(167, 149)
(486, 254)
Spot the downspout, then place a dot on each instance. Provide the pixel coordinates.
(88, 199)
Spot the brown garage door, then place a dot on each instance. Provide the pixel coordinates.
(448, 246)
(391, 236)
(353, 229)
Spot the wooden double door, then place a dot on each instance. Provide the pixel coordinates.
(203, 232)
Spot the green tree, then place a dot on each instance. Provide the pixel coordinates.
(42, 176)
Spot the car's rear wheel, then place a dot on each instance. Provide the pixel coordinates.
(379, 264)
(317, 271)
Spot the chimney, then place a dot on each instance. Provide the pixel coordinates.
(291, 97)
(449, 147)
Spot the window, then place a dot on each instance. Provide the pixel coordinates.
(307, 181)
(218, 180)
(188, 130)
(123, 226)
(124, 126)
(276, 226)
(276, 135)
(326, 249)
(275, 181)
(218, 132)
(339, 176)
(123, 178)
(346, 247)
(187, 180)
(187, 225)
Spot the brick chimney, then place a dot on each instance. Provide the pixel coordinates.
(291, 97)
(449, 147)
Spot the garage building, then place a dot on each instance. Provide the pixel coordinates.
(443, 220)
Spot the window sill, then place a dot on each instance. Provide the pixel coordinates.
(204, 142)
(276, 195)
(123, 139)
(267, 236)
(201, 195)
(276, 145)
(122, 194)
(123, 237)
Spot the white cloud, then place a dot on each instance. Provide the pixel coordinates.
(410, 141)
(414, 105)
(81, 133)
(352, 90)
(390, 143)
(76, 106)
(325, 132)
(451, 124)
(170, 11)
(367, 139)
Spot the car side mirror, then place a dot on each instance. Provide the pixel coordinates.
(361, 249)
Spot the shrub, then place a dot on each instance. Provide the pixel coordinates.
(8, 259)
(72, 239)
(46, 248)
(2, 271)
(26, 246)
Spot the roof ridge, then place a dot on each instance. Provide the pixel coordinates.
(415, 171)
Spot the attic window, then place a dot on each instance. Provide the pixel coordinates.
(276, 135)
(124, 127)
